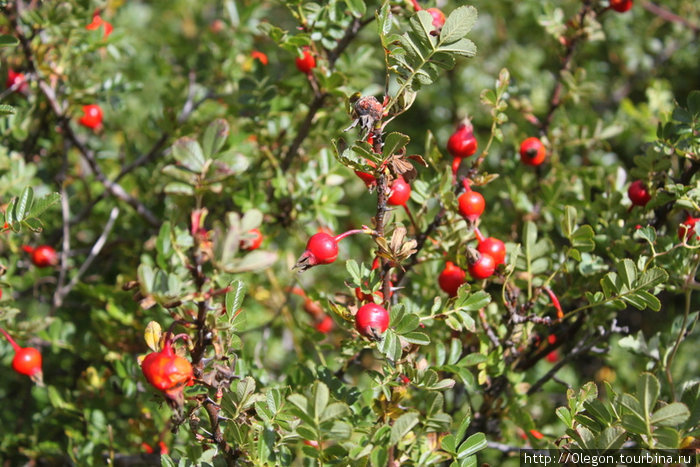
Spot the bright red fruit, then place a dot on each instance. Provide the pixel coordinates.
(325, 325)
(371, 320)
(167, 371)
(621, 5)
(252, 240)
(552, 357)
(14, 78)
(462, 143)
(367, 178)
(42, 256)
(438, 17)
(306, 62)
(686, 229)
(471, 205)
(400, 192)
(451, 278)
(322, 248)
(97, 21)
(92, 116)
(261, 57)
(27, 360)
(483, 267)
(532, 151)
(494, 248)
(456, 162)
(638, 193)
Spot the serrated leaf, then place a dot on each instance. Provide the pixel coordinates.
(234, 298)
(463, 47)
(321, 396)
(627, 271)
(394, 143)
(458, 24)
(417, 338)
(24, 203)
(7, 109)
(613, 437)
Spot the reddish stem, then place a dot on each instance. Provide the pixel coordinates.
(466, 183)
(416, 5)
(11, 340)
(410, 216)
(341, 236)
(479, 236)
(28, 249)
(555, 302)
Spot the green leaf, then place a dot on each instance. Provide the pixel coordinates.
(7, 109)
(670, 415)
(235, 297)
(627, 271)
(648, 389)
(458, 24)
(463, 47)
(613, 437)
(394, 143)
(8, 41)
(334, 410)
(24, 203)
(321, 396)
(166, 461)
(356, 7)
(634, 424)
(582, 239)
(568, 221)
(188, 153)
(215, 137)
(402, 426)
(473, 302)
(472, 445)
(565, 416)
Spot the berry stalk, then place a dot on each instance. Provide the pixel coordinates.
(9, 338)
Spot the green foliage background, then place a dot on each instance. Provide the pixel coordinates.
(170, 68)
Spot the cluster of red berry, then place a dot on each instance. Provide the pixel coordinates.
(639, 195)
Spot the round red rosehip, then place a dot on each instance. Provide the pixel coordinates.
(252, 240)
(306, 62)
(92, 116)
(451, 278)
(462, 143)
(167, 372)
(686, 229)
(325, 325)
(42, 256)
(494, 248)
(16, 79)
(438, 17)
(532, 151)
(371, 320)
(621, 6)
(482, 267)
(261, 57)
(638, 193)
(471, 205)
(27, 361)
(400, 192)
(323, 248)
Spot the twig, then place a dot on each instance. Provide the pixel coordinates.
(65, 247)
(61, 292)
(669, 16)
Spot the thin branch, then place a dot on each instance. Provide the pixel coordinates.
(61, 292)
(669, 16)
(65, 247)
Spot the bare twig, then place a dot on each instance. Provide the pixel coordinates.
(62, 291)
(669, 16)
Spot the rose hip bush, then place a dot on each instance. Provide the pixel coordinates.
(515, 189)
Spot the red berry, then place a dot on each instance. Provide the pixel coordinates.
(483, 267)
(92, 116)
(552, 339)
(323, 247)
(14, 78)
(367, 178)
(471, 205)
(451, 278)
(536, 434)
(167, 371)
(638, 193)
(371, 320)
(532, 151)
(27, 361)
(400, 192)
(621, 5)
(686, 229)
(462, 143)
(261, 57)
(552, 357)
(326, 325)
(252, 240)
(456, 162)
(97, 21)
(306, 62)
(494, 248)
(438, 17)
(42, 256)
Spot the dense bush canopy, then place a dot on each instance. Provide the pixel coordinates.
(177, 156)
